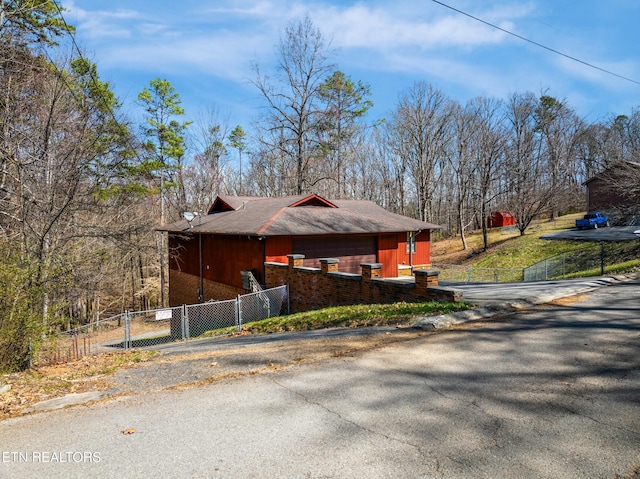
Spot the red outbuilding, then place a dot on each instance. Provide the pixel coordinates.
(500, 218)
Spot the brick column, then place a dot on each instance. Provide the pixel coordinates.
(426, 278)
(295, 260)
(371, 271)
(329, 265)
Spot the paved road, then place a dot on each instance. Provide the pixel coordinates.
(552, 392)
(536, 292)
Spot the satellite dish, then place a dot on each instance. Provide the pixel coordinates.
(189, 216)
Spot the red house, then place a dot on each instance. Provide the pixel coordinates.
(499, 219)
(208, 253)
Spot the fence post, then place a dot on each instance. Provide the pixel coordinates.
(267, 305)
(127, 331)
(288, 299)
(546, 269)
(238, 313)
(185, 323)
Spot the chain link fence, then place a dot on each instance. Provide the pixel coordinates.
(97, 337)
(591, 260)
(467, 274)
(567, 264)
(136, 329)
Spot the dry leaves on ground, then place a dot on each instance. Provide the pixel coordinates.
(40, 383)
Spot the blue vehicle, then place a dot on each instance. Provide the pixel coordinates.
(592, 220)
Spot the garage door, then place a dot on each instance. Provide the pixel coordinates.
(351, 251)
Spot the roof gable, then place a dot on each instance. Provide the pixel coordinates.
(313, 200)
(220, 205)
(230, 203)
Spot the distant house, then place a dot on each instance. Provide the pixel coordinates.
(208, 254)
(498, 219)
(615, 191)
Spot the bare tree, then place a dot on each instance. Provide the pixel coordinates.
(528, 188)
(489, 139)
(622, 141)
(560, 128)
(292, 99)
(209, 173)
(591, 150)
(621, 170)
(422, 123)
(390, 167)
(271, 172)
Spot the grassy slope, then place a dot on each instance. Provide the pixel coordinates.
(356, 316)
(512, 250)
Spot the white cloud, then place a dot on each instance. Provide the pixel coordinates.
(100, 24)
(408, 39)
(388, 27)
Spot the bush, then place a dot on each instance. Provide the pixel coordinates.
(21, 327)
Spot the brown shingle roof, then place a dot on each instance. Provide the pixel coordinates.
(297, 216)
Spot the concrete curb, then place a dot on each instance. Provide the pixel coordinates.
(444, 321)
(68, 400)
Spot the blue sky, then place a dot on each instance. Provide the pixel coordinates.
(206, 48)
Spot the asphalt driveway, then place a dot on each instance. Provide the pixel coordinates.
(610, 234)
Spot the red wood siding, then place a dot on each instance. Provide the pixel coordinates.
(183, 253)
(423, 249)
(223, 257)
(388, 255)
(277, 248)
(352, 251)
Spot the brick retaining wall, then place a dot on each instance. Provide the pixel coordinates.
(314, 288)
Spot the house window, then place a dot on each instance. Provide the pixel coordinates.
(411, 242)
